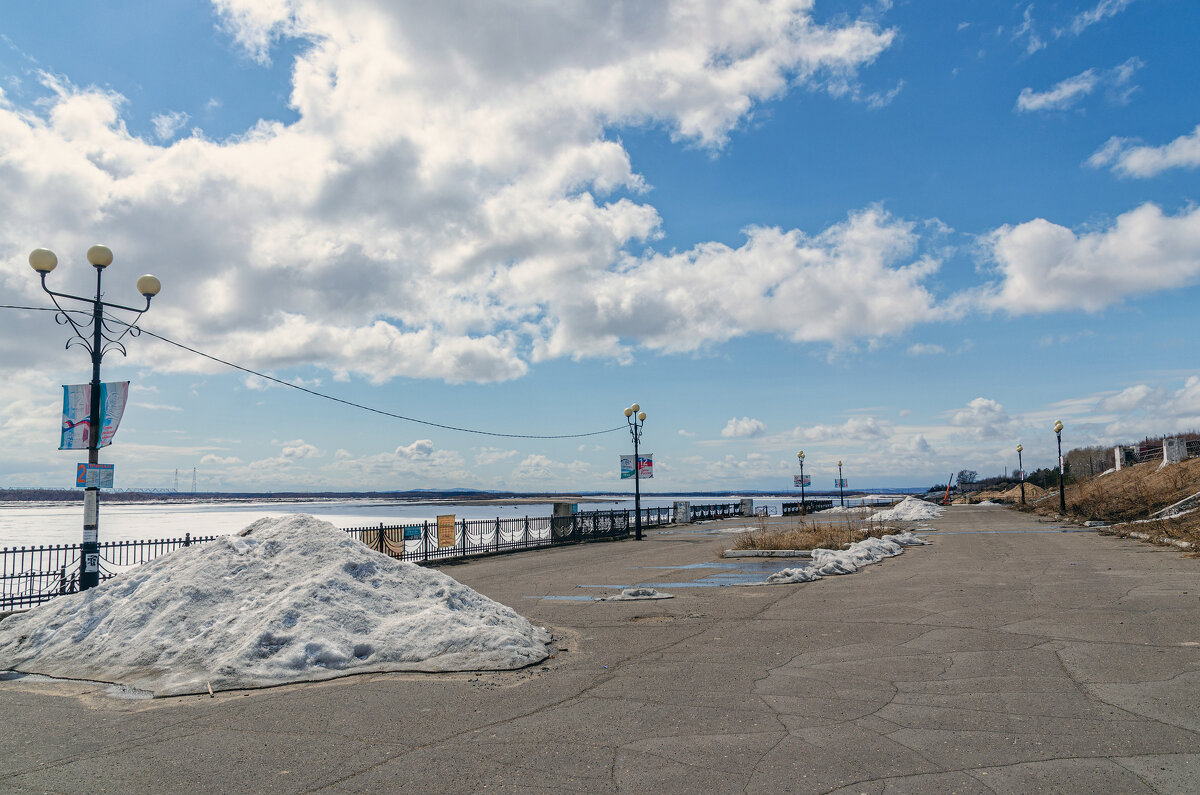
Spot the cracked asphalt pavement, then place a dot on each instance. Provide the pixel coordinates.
(1009, 656)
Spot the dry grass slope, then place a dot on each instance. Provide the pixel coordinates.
(1011, 495)
(1134, 494)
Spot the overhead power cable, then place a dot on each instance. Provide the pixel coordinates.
(350, 403)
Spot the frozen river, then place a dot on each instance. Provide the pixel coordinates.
(27, 524)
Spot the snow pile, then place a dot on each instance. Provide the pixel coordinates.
(829, 562)
(286, 600)
(910, 510)
(987, 502)
(844, 509)
(798, 574)
(907, 539)
(637, 594)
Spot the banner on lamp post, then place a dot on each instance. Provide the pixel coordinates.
(645, 466)
(802, 481)
(77, 414)
(840, 483)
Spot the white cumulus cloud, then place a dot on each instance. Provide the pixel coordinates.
(1045, 267)
(422, 448)
(453, 200)
(298, 451)
(1133, 160)
(744, 428)
(167, 124)
(864, 428)
(800, 287)
(984, 418)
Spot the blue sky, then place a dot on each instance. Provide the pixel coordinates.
(903, 235)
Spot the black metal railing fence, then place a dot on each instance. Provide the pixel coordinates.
(809, 506)
(35, 574)
(721, 510)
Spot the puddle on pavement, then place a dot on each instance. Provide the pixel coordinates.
(696, 566)
(746, 571)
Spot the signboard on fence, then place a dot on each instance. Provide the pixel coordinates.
(840, 483)
(94, 476)
(412, 533)
(77, 414)
(645, 466)
(445, 531)
(802, 481)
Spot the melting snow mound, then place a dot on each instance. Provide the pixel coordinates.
(637, 594)
(797, 574)
(288, 599)
(831, 562)
(910, 510)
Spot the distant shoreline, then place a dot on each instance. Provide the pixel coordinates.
(70, 496)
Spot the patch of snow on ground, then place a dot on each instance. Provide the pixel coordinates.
(830, 562)
(288, 599)
(987, 502)
(797, 574)
(637, 594)
(843, 509)
(907, 539)
(910, 510)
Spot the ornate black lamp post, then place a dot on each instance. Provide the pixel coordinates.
(803, 509)
(97, 337)
(1062, 496)
(635, 418)
(841, 484)
(1021, 468)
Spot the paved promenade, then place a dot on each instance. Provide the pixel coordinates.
(1009, 656)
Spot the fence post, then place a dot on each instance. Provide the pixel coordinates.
(425, 540)
(379, 540)
(62, 581)
(497, 533)
(187, 539)
(527, 539)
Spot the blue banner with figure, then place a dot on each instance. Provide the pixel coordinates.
(77, 414)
